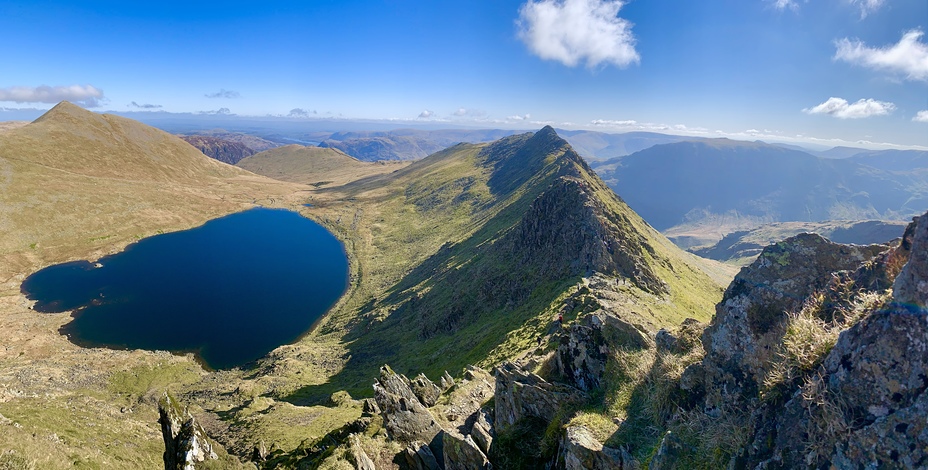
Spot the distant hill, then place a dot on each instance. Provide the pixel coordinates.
(225, 151)
(689, 182)
(742, 247)
(894, 160)
(839, 152)
(594, 145)
(313, 165)
(406, 144)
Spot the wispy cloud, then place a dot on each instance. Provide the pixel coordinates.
(868, 6)
(921, 116)
(575, 31)
(84, 95)
(613, 123)
(223, 93)
(300, 113)
(909, 56)
(425, 114)
(785, 5)
(220, 111)
(524, 117)
(841, 109)
(144, 106)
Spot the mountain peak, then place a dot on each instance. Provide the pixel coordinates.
(64, 110)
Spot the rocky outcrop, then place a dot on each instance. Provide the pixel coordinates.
(521, 394)
(867, 402)
(361, 460)
(462, 453)
(743, 337)
(418, 456)
(583, 351)
(186, 446)
(581, 451)
(223, 150)
(425, 390)
(405, 418)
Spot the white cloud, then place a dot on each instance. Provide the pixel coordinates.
(220, 111)
(223, 93)
(612, 123)
(426, 114)
(86, 95)
(868, 6)
(524, 117)
(921, 116)
(909, 56)
(574, 31)
(841, 109)
(300, 113)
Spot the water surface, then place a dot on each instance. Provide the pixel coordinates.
(230, 291)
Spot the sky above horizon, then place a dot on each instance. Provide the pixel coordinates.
(822, 71)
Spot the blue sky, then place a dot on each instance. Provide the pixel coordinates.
(822, 71)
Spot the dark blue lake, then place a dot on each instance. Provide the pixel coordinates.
(230, 291)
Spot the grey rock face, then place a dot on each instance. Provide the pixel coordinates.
(742, 338)
(520, 394)
(361, 460)
(581, 451)
(462, 453)
(583, 352)
(911, 285)
(405, 418)
(185, 443)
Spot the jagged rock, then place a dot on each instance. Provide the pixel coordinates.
(472, 372)
(911, 285)
(405, 418)
(370, 407)
(360, 458)
(520, 394)
(865, 406)
(446, 381)
(419, 456)
(583, 352)
(462, 453)
(668, 453)
(482, 432)
(260, 452)
(185, 442)
(425, 390)
(742, 339)
(580, 450)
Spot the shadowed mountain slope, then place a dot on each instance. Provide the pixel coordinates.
(225, 151)
(686, 182)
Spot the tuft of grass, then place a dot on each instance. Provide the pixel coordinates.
(10, 460)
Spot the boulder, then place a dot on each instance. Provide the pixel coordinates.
(581, 451)
(446, 381)
(520, 394)
(668, 453)
(405, 418)
(462, 453)
(482, 432)
(186, 446)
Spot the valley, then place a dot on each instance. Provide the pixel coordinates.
(551, 321)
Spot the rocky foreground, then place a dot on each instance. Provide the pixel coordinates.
(816, 358)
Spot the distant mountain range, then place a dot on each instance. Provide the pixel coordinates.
(686, 183)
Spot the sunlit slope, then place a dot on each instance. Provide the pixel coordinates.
(313, 165)
(464, 256)
(74, 181)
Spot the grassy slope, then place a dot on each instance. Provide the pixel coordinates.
(313, 165)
